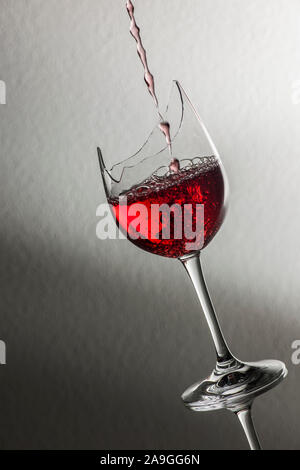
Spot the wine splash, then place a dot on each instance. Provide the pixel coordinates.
(149, 80)
(135, 32)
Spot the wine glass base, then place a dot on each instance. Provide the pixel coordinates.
(234, 387)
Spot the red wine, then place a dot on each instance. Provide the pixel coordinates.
(198, 183)
(135, 32)
(149, 79)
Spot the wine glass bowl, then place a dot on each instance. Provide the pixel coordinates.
(191, 182)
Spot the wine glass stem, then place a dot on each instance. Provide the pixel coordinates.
(245, 417)
(193, 267)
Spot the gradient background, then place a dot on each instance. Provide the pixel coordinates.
(102, 339)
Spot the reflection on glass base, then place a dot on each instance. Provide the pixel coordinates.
(234, 386)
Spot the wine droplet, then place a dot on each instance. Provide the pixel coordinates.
(174, 166)
(165, 129)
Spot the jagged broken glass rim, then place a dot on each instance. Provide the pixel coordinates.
(125, 163)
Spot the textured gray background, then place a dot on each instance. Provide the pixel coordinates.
(102, 338)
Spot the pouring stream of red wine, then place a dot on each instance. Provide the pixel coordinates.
(149, 80)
